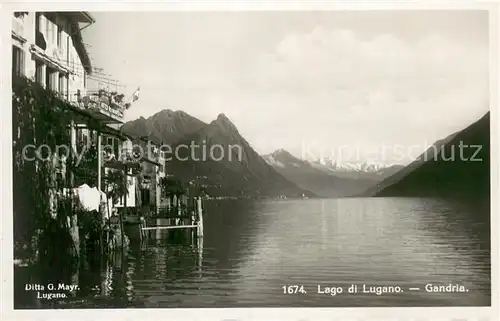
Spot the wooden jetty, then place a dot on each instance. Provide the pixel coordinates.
(168, 227)
(189, 217)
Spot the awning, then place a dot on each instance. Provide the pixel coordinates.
(83, 116)
(80, 16)
(136, 167)
(101, 117)
(116, 133)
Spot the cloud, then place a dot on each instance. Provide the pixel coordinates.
(324, 79)
(349, 67)
(336, 87)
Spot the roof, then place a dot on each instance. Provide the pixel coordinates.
(147, 139)
(83, 16)
(80, 16)
(76, 18)
(117, 133)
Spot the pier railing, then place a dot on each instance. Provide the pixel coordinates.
(186, 217)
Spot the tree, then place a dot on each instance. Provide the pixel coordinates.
(115, 186)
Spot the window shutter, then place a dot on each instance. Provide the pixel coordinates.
(22, 70)
(14, 61)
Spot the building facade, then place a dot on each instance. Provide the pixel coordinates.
(48, 47)
(152, 170)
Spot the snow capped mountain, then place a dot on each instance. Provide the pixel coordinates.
(329, 178)
(351, 166)
(271, 160)
(318, 178)
(282, 158)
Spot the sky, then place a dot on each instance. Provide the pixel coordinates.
(308, 82)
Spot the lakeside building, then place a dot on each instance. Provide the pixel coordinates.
(48, 48)
(152, 170)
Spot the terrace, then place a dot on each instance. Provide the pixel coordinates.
(108, 107)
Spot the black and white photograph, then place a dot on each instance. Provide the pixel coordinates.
(251, 159)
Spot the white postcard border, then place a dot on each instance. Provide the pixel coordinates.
(421, 314)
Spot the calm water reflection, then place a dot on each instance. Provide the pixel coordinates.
(251, 249)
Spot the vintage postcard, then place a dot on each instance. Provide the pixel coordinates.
(245, 161)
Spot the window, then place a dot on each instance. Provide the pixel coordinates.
(37, 22)
(59, 36)
(40, 39)
(51, 29)
(83, 137)
(51, 79)
(39, 78)
(62, 84)
(117, 148)
(17, 61)
(48, 30)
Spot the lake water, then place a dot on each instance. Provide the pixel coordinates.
(250, 250)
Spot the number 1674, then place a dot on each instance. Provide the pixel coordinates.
(293, 289)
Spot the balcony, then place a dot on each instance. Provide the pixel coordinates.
(105, 106)
(50, 57)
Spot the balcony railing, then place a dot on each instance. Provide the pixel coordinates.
(104, 103)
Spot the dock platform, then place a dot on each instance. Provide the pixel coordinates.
(187, 219)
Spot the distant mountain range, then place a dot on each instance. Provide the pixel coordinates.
(328, 179)
(364, 170)
(242, 172)
(239, 172)
(435, 174)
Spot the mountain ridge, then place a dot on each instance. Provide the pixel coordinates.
(431, 175)
(365, 170)
(323, 183)
(166, 126)
(236, 169)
